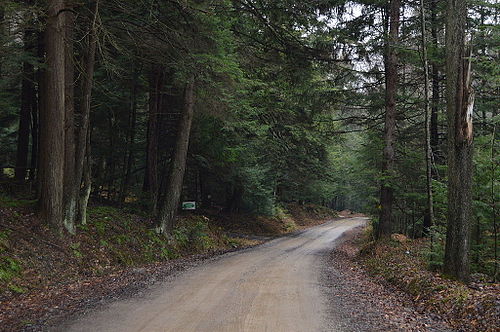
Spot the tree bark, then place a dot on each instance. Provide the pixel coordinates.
(435, 81)
(36, 110)
(155, 104)
(83, 132)
(84, 193)
(70, 200)
(52, 121)
(2, 31)
(460, 102)
(235, 196)
(28, 95)
(110, 170)
(429, 214)
(494, 204)
(391, 80)
(131, 136)
(170, 204)
(34, 138)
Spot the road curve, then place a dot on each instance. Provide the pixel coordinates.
(273, 287)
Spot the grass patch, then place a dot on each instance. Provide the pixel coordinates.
(11, 202)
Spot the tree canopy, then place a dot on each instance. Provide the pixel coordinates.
(246, 105)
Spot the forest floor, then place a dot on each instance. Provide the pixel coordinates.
(44, 278)
(397, 292)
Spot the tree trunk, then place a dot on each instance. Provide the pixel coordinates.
(52, 121)
(235, 196)
(155, 104)
(82, 154)
(70, 200)
(99, 176)
(2, 31)
(84, 193)
(37, 107)
(460, 102)
(493, 205)
(110, 170)
(169, 205)
(131, 136)
(28, 95)
(34, 138)
(391, 79)
(429, 214)
(435, 81)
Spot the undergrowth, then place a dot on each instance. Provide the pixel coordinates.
(404, 264)
(32, 257)
(9, 266)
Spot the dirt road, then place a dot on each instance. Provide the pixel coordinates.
(273, 287)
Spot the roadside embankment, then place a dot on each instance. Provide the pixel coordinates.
(400, 264)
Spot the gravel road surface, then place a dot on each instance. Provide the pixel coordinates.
(273, 287)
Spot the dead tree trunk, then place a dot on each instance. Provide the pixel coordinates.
(52, 121)
(391, 80)
(460, 103)
(170, 203)
(429, 214)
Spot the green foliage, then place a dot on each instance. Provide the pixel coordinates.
(193, 234)
(435, 251)
(486, 191)
(157, 247)
(290, 226)
(14, 202)
(100, 227)
(289, 108)
(10, 268)
(4, 240)
(75, 248)
(16, 289)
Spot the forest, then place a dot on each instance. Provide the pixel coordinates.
(387, 108)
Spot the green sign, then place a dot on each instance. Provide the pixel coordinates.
(189, 205)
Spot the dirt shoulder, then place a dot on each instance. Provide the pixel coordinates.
(39, 311)
(386, 288)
